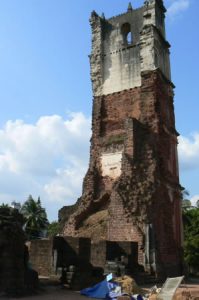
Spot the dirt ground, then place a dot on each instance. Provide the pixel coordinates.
(186, 291)
(52, 293)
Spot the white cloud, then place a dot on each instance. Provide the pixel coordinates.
(194, 200)
(188, 150)
(48, 158)
(176, 7)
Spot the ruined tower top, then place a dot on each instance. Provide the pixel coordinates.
(126, 45)
(130, 8)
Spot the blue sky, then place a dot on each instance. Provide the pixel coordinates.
(46, 98)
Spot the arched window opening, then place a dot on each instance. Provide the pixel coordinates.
(126, 33)
(129, 38)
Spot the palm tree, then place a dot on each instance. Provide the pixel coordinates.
(186, 203)
(35, 216)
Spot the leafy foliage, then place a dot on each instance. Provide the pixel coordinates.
(3, 205)
(191, 235)
(35, 216)
(115, 139)
(10, 216)
(53, 229)
(186, 204)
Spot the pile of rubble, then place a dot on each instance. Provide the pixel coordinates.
(125, 288)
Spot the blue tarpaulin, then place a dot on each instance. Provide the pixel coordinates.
(99, 290)
(102, 290)
(105, 290)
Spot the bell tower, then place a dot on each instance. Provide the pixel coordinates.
(131, 190)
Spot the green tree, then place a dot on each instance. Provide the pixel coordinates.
(191, 237)
(35, 217)
(186, 203)
(197, 203)
(53, 229)
(3, 205)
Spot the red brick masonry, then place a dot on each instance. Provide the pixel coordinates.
(140, 123)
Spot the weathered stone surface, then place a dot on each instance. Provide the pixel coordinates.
(41, 256)
(111, 164)
(11, 252)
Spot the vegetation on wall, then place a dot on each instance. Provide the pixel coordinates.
(115, 139)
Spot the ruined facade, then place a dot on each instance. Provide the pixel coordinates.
(12, 238)
(131, 191)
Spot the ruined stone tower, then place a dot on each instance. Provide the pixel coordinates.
(131, 191)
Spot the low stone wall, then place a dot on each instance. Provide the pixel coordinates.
(41, 256)
(47, 255)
